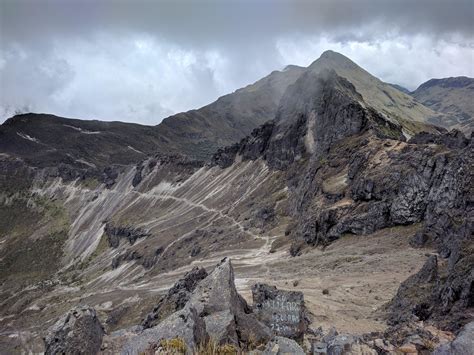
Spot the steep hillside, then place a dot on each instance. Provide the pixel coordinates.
(47, 140)
(387, 100)
(400, 88)
(452, 96)
(327, 193)
(200, 132)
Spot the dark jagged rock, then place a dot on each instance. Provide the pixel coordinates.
(283, 311)
(250, 148)
(128, 255)
(448, 224)
(195, 251)
(77, 332)
(224, 157)
(413, 296)
(115, 233)
(328, 225)
(137, 178)
(179, 160)
(407, 337)
(211, 308)
(176, 298)
(314, 113)
(452, 139)
(227, 316)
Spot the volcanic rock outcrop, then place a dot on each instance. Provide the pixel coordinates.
(198, 308)
(283, 311)
(176, 298)
(79, 331)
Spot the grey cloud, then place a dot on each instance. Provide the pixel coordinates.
(220, 21)
(143, 60)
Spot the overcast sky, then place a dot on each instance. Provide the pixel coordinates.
(141, 61)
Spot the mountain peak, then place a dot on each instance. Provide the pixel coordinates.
(333, 60)
(332, 54)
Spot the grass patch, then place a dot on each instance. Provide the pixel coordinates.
(177, 346)
(89, 183)
(29, 260)
(23, 257)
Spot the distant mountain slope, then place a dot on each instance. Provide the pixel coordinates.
(46, 140)
(392, 103)
(401, 88)
(200, 132)
(452, 96)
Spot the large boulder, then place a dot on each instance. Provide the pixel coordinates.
(79, 331)
(283, 311)
(214, 310)
(184, 324)
(227, 316)
(176, 298)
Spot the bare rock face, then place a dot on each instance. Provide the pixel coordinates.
(463, 344)
(283, 311)
(176, 298)
(250, 148)
(79, 331)
(227, 316)
(448, 224)
(212, 309)
(413, 296)
(115, 233)
(184, 324)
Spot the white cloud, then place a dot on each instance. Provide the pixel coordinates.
(403, 60)
(140, 77)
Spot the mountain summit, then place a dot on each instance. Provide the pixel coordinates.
(395, 105)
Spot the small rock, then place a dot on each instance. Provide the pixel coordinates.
(408, 348)
(281, 345)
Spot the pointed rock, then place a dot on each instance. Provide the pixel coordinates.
(79, 331)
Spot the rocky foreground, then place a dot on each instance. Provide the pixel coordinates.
(203, 313)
